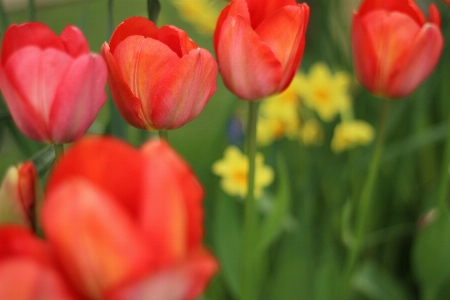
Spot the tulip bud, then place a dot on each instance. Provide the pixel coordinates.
(52, 85)
(394, 47)
(158, 77)
(259, 45)
(18, 194)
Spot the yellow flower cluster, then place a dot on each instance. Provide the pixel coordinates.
(233, 168)
(202, 14)
(350, 134)
(278, 116)
(325, 93)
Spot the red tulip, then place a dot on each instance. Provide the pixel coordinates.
(159, 78)
(259, 45)
(128, 228)
(394, 47)
(52, 85)
(18, 194)
(27, 270)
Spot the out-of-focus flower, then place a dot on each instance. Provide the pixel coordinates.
(279, 116)
(259, 45)
(128, 228)
(202, 14)
(27, 270)
(394, 47)
(233, 168)
(446, 2)
(324, 92)
(53, 86)
(350, 134)
(18, 194)
(159, 78)
(311, 133)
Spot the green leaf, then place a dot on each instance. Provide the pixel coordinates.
(228, 240)
(376, 283)
(273, 224)
(153, 8)
(43, 160)
(431, 254)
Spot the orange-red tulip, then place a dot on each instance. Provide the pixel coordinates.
(27, 270)
(394, 47)
(53, 86)
(159, 78)
(128, 224)
(18, 194)
(259, 45)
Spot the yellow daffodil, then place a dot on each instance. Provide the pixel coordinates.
(278, 116)
(350, 134)
(324, 92)
(202, 14)
(311, 133)
(233, 168)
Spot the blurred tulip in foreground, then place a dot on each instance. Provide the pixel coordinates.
(18, 194)
(159, 78)
(259, 45)
(128, 228)
(53, 86)
(394, 47)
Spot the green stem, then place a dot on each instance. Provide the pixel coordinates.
(251, 220)
(365, 204)
(164, 134)
(59, 151)
(31, 10)
(3, 17)
(445, 175)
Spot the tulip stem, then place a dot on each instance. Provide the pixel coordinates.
(164, 134)
(251, 220)
(365, 204)
(59, 151)
(31, 10)
(445, 175)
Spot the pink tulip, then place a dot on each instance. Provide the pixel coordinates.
(18, 194)
(27, 270)
(259, 45)
(128, 228)
(159, 78)
(394, 47)
(53, 85)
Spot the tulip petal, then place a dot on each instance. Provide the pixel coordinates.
(29, 34)
(133, 26)
(35, 75)
(181, 95)
(284, 32)
(235, 8)
(21, 242)
(78, 99)
(185, 281)
(25, 279)
(419, 62)
(74, 41)
(259, 12)
(250, 75)
(128, 105)
(96, 159)
(159, 152)
(77, 218)
(406, 7)
(142, 63)
(176, 39)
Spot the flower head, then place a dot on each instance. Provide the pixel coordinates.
(350, 134)
(233, 168)
(53, 86)
(159, 78)
(324, 92)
